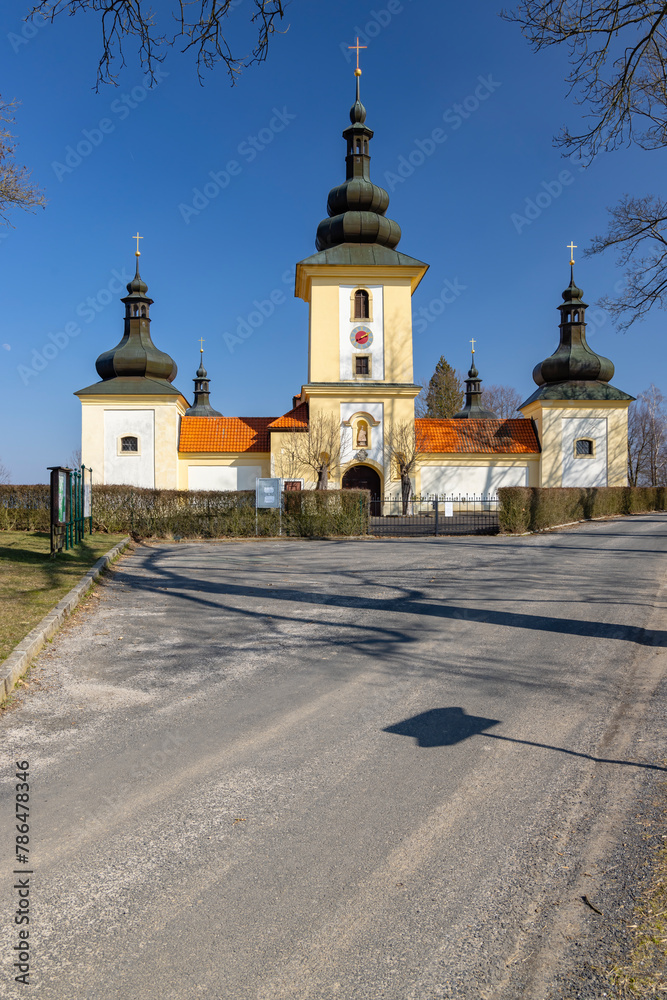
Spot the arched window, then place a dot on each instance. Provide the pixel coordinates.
(129, 444)
(575, 316)
(361, 304)
(584, 448)
(143, 310)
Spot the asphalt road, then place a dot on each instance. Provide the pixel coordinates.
(357, 769)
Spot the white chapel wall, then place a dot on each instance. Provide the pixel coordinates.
(223, 477)
(130, 469)
(462, 480)
(589, 470)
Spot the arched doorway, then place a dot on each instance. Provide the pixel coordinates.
(363, 477)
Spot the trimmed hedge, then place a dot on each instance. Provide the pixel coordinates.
(25, 508)
(146, 513)
(531, 508)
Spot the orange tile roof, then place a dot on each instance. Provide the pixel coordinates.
(477, 436)
(224, 434)
(295, 419)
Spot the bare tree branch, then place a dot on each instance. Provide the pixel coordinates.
(638, 231)
(200, 24)
(618, 53)
(319, 448)
(504, 400)
(404, 443)
(647, 439)
(16, 190)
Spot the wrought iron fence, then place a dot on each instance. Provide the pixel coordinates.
(432, 515)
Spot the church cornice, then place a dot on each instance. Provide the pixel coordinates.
(361, 273)
(357, 390)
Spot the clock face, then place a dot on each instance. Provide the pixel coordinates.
(361, 336)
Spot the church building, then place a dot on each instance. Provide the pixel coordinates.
(349, 421)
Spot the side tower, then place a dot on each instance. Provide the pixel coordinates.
(130, 418)
(358, 288)
(582, 420)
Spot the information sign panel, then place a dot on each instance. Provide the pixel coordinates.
(268, 492)
(61, 498)
(87, 498)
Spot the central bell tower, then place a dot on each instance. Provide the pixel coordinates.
(358, 288)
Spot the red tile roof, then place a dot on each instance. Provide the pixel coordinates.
(224, 434)
(239, 434)
(476, 436)
(295, 419)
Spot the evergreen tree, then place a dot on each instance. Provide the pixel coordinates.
(444, 396)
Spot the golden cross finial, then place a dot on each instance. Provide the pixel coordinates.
(357, 71)
(572, 247)
(201, 345)
(473, 342)
(137, 252)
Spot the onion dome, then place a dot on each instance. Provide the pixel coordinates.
(357, 207)
(573, 359)
(574, 371)
(202, 407)
(473, 408)
(136, 355)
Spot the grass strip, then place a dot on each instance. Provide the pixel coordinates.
(32, 583)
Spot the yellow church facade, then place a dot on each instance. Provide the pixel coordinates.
(354, 420)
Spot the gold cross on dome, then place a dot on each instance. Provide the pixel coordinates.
(473, 342)
(201, 345)
(137, 238)
(357, 47)
(572, 247)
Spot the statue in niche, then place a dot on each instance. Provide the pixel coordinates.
(362, 436)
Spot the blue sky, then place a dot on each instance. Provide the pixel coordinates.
(227, 186)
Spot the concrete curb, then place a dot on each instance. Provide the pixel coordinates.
(21, 657)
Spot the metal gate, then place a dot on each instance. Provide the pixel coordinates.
(431, 515)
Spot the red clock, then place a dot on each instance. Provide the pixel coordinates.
(361, 336)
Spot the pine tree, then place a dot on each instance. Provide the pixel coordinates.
(445, 393)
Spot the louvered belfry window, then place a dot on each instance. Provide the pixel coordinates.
(361, 304)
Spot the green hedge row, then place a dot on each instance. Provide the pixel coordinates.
(147, 513)
(530, 508)
(25, 508)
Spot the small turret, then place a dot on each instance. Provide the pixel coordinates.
(473, 409)
(202, 406)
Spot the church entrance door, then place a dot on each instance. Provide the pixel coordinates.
(362, 477)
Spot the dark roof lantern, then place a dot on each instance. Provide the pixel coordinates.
(136, 355)
(473, 408)
(357, 207)
(201, 406)
(574, 370)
